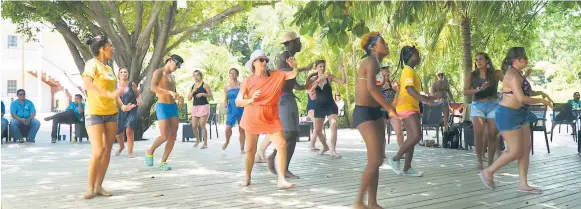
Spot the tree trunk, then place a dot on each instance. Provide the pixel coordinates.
(467, 46)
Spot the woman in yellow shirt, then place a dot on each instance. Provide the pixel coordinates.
(408, 110)
(101, 112)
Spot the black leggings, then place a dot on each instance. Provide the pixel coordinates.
(291, 143)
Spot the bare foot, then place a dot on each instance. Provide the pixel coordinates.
(246, 183)
(313, 149)
(335, 155)
(489, 177)
(325, 149)
(285, 184)
(130, 155)
(89, 195)
(258, 159)
(374, 206)
(270, 163)
(118, 152)
(102, 192)
(204, 146)
(290, 175)
(359, 206)
(479, 165)
(225, 146)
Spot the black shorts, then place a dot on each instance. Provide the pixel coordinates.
(322, 112)
(363, 114)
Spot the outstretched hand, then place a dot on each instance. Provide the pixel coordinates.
(292, 62)
(128, 107)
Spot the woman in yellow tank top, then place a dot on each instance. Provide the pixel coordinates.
(408, 110)
(101, 111)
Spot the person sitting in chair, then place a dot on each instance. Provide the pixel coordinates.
(575, 102)
(73, 114)
(23, 113)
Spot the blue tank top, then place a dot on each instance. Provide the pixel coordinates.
(232, 109)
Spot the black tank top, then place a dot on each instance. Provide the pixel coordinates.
(324, 96)
(201, 100)
(289, 85)
(490, 92)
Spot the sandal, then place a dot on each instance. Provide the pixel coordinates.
(485, 181)
(531, 191)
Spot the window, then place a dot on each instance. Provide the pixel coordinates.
(12, 41)
(11, 87)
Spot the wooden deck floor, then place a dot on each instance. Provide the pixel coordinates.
(45, 175)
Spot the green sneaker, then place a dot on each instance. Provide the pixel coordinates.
(412, 172)
(164, 166)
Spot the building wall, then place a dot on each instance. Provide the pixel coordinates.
(49, 54)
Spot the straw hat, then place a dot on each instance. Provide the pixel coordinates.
(289, 36)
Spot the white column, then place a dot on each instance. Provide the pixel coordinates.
(38, 66)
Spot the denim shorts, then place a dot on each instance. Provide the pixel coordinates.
(484, 110)
(99, 119)
(508, 119)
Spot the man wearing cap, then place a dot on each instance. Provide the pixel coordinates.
(441, 89)
(163, 84)
(288, 109)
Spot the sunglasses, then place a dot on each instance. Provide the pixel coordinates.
(178, 64)
(263, 59)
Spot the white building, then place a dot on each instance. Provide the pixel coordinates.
(45, 69)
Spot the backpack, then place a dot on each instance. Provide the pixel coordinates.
(451, 138)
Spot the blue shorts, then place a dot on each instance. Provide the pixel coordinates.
(232, 118)
(166, 111)
(508, 119)
(484, 110)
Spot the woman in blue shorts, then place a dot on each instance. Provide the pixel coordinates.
(512, 120)
(234, 114)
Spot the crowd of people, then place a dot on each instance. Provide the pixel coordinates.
(264, 103)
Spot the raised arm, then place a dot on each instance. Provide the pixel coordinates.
(342, 80)
(293, 64)
(240, 98)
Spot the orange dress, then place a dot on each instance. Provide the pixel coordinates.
(261, 116)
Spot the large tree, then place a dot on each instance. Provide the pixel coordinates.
(141, 32)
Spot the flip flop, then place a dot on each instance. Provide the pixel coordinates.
(531, 191)
(485, 181)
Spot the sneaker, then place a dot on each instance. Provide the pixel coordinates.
(148, 159)
(164, 166)
(412, 172)
(395, 166)
(53, 140)
(21, 141)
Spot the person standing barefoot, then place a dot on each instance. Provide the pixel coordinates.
(101, 112)
(166, 109)
(127, 120)
(234, 114)
(259, 95)
(367, 116)
(512, 120)
(200, 92)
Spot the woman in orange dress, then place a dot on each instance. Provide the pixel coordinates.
(259, 95)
